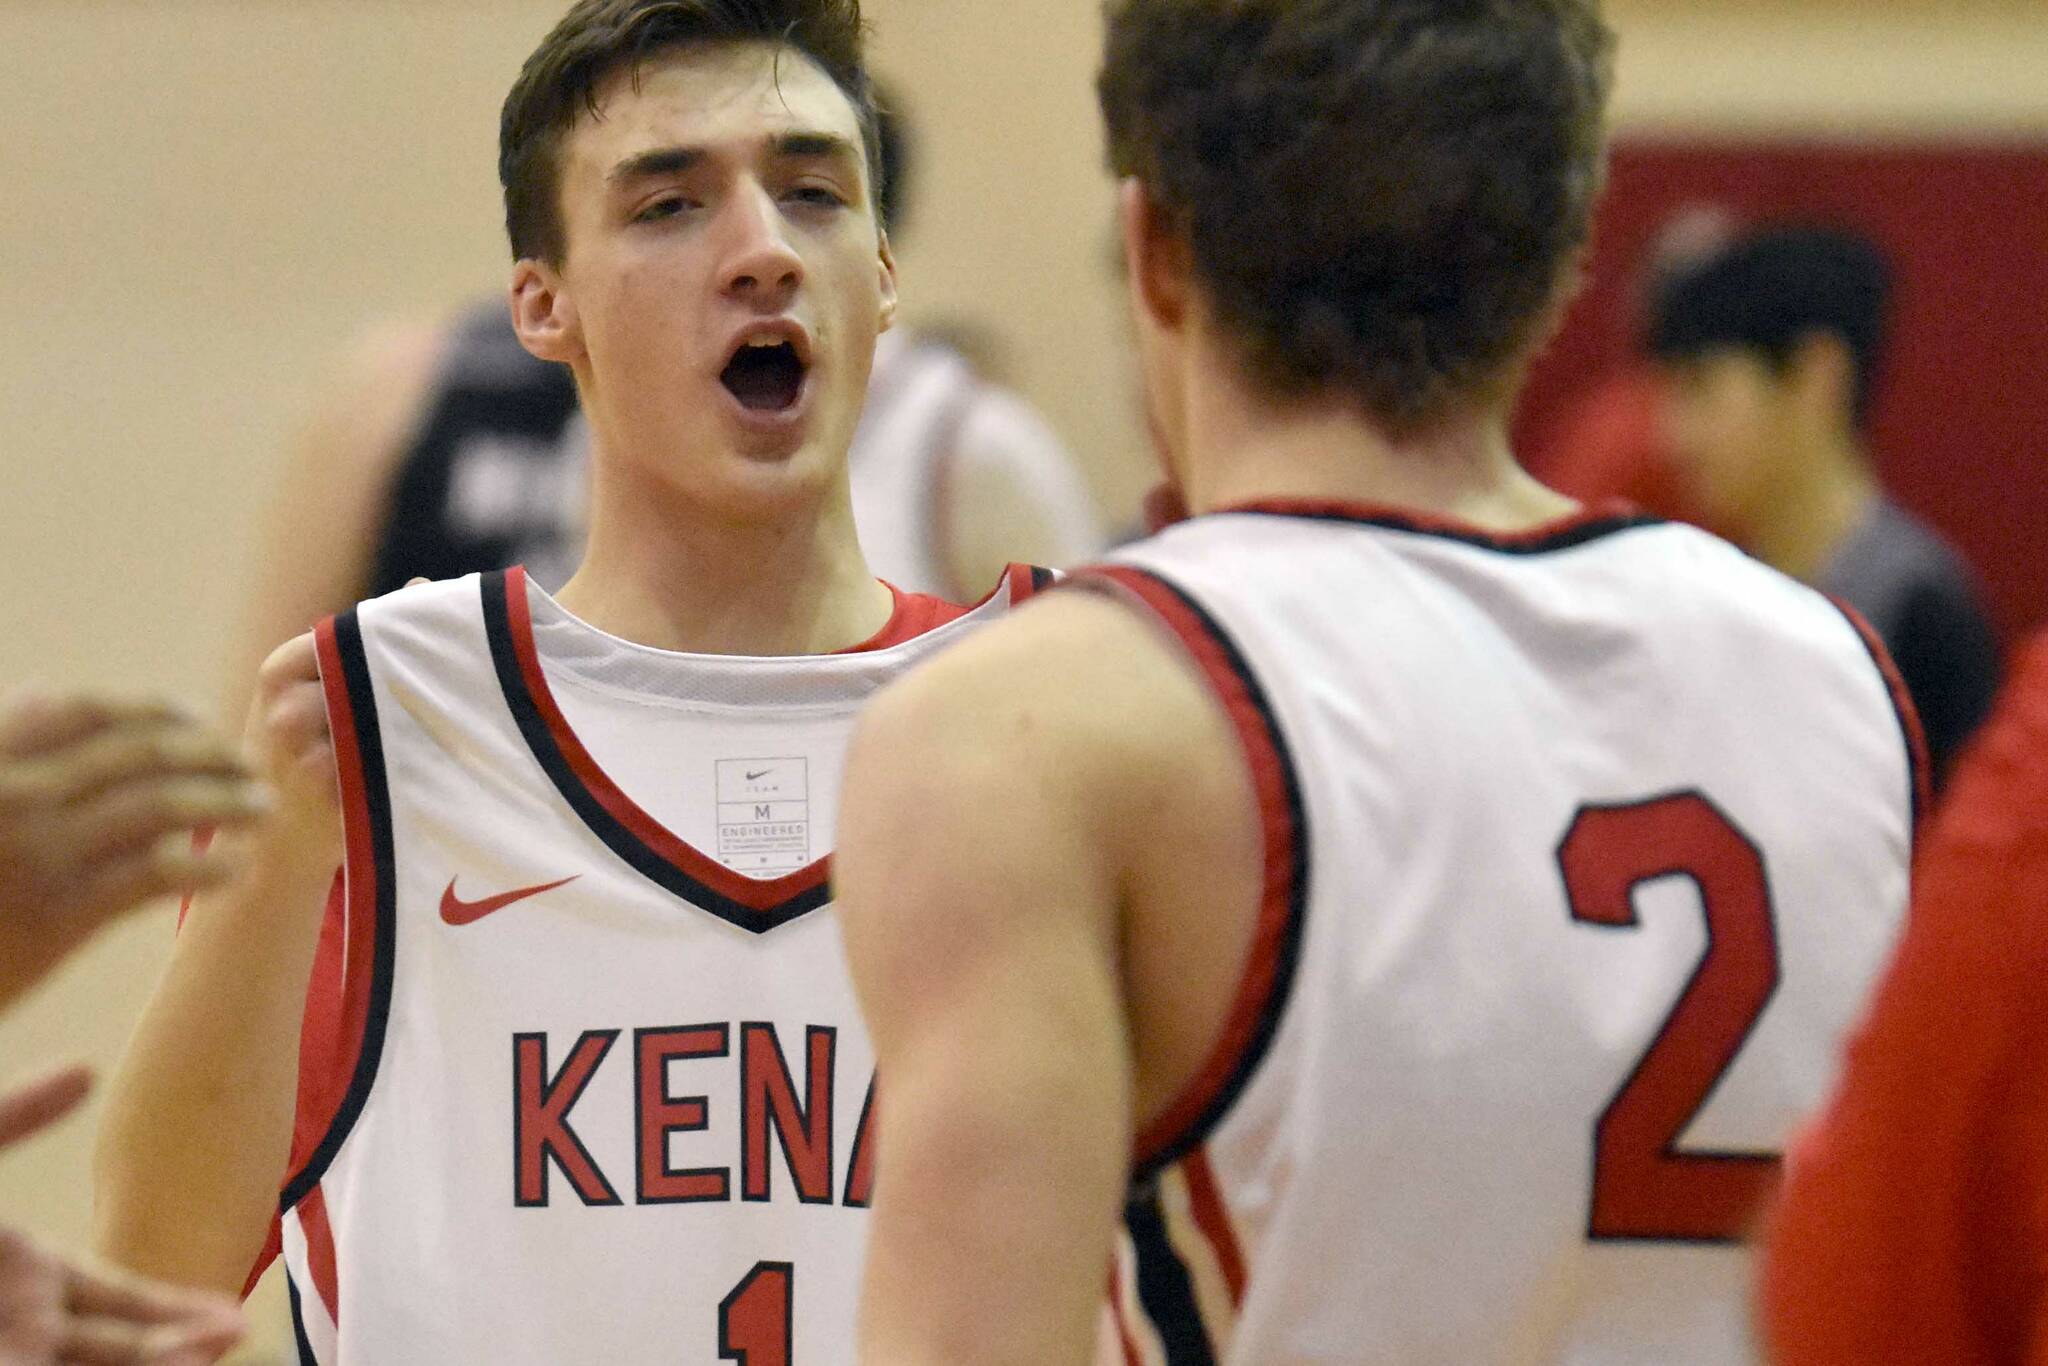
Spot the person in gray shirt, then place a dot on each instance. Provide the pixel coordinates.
(1770, 348)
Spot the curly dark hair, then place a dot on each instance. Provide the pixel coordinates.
(599, 37)
(1380, 196)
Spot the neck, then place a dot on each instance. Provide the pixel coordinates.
(1241, 447)
(662, 570)
(1810, 517)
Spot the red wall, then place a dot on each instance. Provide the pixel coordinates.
(1961, 431)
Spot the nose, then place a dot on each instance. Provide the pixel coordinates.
(761, 266)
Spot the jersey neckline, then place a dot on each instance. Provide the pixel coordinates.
(627, 828)
(1588, 523)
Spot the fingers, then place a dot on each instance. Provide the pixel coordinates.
(35, 1105)
(109, 1292)
(33, 724)
(143, 813)
(295, 661)
(103, 1341)
(137, 751)
(164, 868)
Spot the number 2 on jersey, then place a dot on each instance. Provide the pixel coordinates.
(1644, 1185)
(754, 1320)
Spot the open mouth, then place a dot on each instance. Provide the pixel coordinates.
(765, 378)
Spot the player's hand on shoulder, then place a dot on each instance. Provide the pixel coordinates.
(288, 739)
(99, 801)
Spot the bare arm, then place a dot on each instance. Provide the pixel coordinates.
(991, 845)
(197, 1130)
(317, 545)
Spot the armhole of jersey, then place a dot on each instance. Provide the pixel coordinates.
(349, 997)
(1267, 980)
(1920, 771)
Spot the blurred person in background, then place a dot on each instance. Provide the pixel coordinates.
(1914, 1222)
(99, 803)
(1771, 349)
(443, 451)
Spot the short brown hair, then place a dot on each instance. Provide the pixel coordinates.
(1380, 196)
(599, 37)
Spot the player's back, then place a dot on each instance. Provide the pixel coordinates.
(1584, 847)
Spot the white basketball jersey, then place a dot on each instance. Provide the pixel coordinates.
(1583, 847)
(593, 1087)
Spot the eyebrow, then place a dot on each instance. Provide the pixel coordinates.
(667, 161)
(659, 162)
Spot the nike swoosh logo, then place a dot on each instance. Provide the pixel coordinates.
(456, 911)
(762, 774)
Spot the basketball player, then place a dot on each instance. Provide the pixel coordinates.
(1914, 1225)
(580, 1078)
(440, 451)
(1420, 905)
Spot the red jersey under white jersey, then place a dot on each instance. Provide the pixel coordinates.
(1582, 848)
(583, 1078)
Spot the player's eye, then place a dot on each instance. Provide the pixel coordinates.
(817, 195)
(668, 206)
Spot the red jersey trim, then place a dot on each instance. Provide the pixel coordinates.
(656, 852)
(914, 615)
(1921, 767)
(1268, 976)
(509, 622)
(349, 1000)
(1589, 523)
(348, 997)
(320, 1251)
(1205, 1198)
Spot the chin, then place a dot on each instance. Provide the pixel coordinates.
(776, 478)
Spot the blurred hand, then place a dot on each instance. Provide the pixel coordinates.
(55, 1310)
(99, 802)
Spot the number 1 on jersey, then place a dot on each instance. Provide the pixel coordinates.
(754, 1320)
(1644, 1185)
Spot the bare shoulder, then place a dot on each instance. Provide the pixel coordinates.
(1076, 681)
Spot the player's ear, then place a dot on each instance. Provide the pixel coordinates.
(1155, 256)
(1822, 374)
(543, 313)
(888, 267)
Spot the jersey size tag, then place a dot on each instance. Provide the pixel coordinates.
(764, 815)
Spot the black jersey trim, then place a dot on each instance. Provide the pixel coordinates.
(649, 862)
(375, 798)
(1165, 1288)
(1566, 534)
(304, 1343)
(1919, 767)
(1122, 582)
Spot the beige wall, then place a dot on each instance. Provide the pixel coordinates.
(203, 198)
